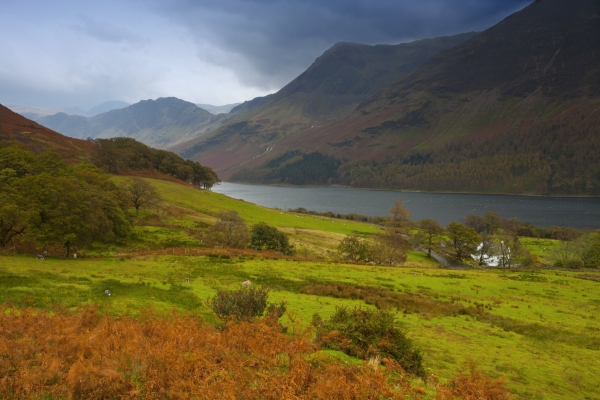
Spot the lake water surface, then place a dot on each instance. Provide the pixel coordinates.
(443, 207)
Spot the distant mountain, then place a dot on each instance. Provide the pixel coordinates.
(218, 109)
(514, 109)
(158, 123)
(34, 112)
(106, 107)
(75, 111)
(334, 85)
(16, 128)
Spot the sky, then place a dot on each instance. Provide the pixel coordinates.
(64, 53)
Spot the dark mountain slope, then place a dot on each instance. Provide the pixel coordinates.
(533, 79)
(334, 85)
(159, 123)
(16, 128)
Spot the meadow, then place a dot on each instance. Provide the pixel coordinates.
(540, 330)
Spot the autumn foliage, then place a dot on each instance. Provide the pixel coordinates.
(89, 356)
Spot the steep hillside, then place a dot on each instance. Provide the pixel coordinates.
(334, 85)
(158, 123)
(514, 109)
(16, 128)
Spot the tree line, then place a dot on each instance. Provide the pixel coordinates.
(120, 155)
(485, 240)
(555, 159)
(550, 160)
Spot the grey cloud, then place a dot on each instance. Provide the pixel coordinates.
(107, 32)
(269, 42)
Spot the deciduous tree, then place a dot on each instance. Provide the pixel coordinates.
(464, 239)
(230, 230)
(140, 193)
(429, 234)
(399, 214)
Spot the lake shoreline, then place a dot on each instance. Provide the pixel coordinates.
(413, 191)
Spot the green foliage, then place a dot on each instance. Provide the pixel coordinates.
(51, 202)
(429, 234)
(265, 237)
(118, 155)
(354, 249)
(244, 304)
(551, 159)
(365, 333)
(464, 239)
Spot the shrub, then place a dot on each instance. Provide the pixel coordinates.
(244, 304)
(366, 333)
(265, 237)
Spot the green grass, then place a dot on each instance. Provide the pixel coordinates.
(541, 331)
(542, 248)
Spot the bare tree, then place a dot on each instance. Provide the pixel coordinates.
(389, 248)
(230, 230)
(399, 214)
(140, 193)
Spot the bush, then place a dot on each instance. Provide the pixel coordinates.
(244, 304)
(367, 333)
(265, 237)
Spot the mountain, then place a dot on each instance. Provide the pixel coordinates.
(34, 112)
(16, 128)
(158, 123)
(514, 109)
(106, 107)
(224, 109)
(332, 86)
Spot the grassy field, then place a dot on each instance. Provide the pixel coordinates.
(540, 331)
(186, 211)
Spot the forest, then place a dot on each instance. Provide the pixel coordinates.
(120, 155)
(555, 160)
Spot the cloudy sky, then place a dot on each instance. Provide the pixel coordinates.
(63, 53)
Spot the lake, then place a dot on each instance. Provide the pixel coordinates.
(443, 207)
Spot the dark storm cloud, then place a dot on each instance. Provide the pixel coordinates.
(269, 42)
(107, 32)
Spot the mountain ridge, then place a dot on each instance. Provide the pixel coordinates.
(158, 123)
(338, 80)
(536, 75)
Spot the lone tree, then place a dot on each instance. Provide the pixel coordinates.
(464, 239)
(399, 214)
(230, 230)
(140, 193)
